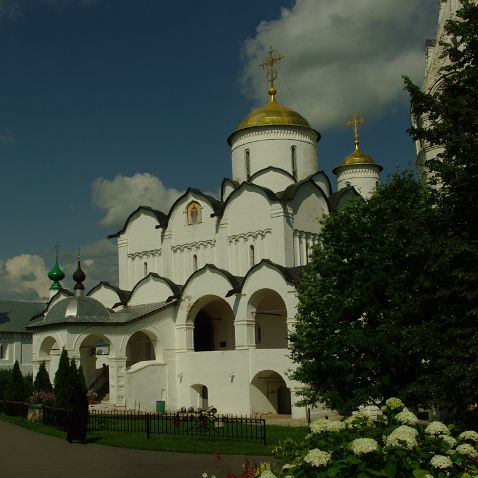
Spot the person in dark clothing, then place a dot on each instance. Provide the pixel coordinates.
(78, 419)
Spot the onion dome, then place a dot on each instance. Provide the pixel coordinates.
(356, 157)
(273, 114)
(79, 276)
(56, 275)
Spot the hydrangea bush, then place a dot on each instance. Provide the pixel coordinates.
(396, 445)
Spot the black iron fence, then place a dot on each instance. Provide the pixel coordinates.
(187, 424)
(203, 425)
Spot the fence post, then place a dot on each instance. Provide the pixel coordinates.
(264, 429)
(148, 426)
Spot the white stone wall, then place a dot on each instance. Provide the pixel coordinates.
(364, 178)
(272, 147)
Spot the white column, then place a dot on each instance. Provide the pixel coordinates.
(303, 259)
(117, 380)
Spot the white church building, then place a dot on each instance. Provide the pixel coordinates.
(207, 292)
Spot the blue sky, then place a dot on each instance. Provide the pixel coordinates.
(109, 104)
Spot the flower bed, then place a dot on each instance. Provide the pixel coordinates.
(396, 445)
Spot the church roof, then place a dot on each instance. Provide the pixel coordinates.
(273, 114)
(123, 295)
(160, 216)
(120, 317)
(15, 316)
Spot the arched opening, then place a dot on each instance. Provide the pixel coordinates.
(94, 360)
(199, 396)
(140, 348)
(269, 311)
(269, 394)
(213, 326)
(195, 262)
(49, 353)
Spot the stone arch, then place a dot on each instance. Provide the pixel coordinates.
(199, 396)
(141, 347)
(213, 321)
(269, 311)
(269, 393)
(94, 351)
(49, 352)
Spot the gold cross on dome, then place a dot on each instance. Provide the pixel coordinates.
(353, 123)
(269, 65)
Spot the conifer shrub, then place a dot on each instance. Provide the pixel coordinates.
(16, 391)
(42, 380)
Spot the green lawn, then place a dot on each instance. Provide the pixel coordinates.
(184, 444)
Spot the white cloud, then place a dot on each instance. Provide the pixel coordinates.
(99, 262)
(120, 196)
(24, 277)
(341, 56)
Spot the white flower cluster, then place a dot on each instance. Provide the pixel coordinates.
(267, 474)
(468, 435)
(448, 440)
(324, 425)
(362, 446)
(402, 437)
(437, 428)
(467, 449)
(394, 403)
(358, 418)
(318, 457)
(205, 475)
(406, 417)
(441, 462)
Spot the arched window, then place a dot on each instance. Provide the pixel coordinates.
(145, 269)
(293, 159)
(248, 164)
(195, 263)
(251, 256)
(194, 213)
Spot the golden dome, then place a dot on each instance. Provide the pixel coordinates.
(273, 114)
(357, 157)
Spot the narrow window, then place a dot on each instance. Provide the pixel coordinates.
(195, 263)
(1, 351)
(145, 269)
(251, 256)
(248, 165)
(293, 157)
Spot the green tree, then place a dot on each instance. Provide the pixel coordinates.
(362, 302)
(16, 387)
(42, 380)
(452, 124)
(4, 380)
(63, 383)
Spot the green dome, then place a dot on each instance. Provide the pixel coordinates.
(56, 274)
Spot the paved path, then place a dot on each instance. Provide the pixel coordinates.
(28, 454)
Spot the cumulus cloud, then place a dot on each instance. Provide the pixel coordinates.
(341, 56)
(24, 277)
(6, 135)
(120, 196)
(99, 262)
